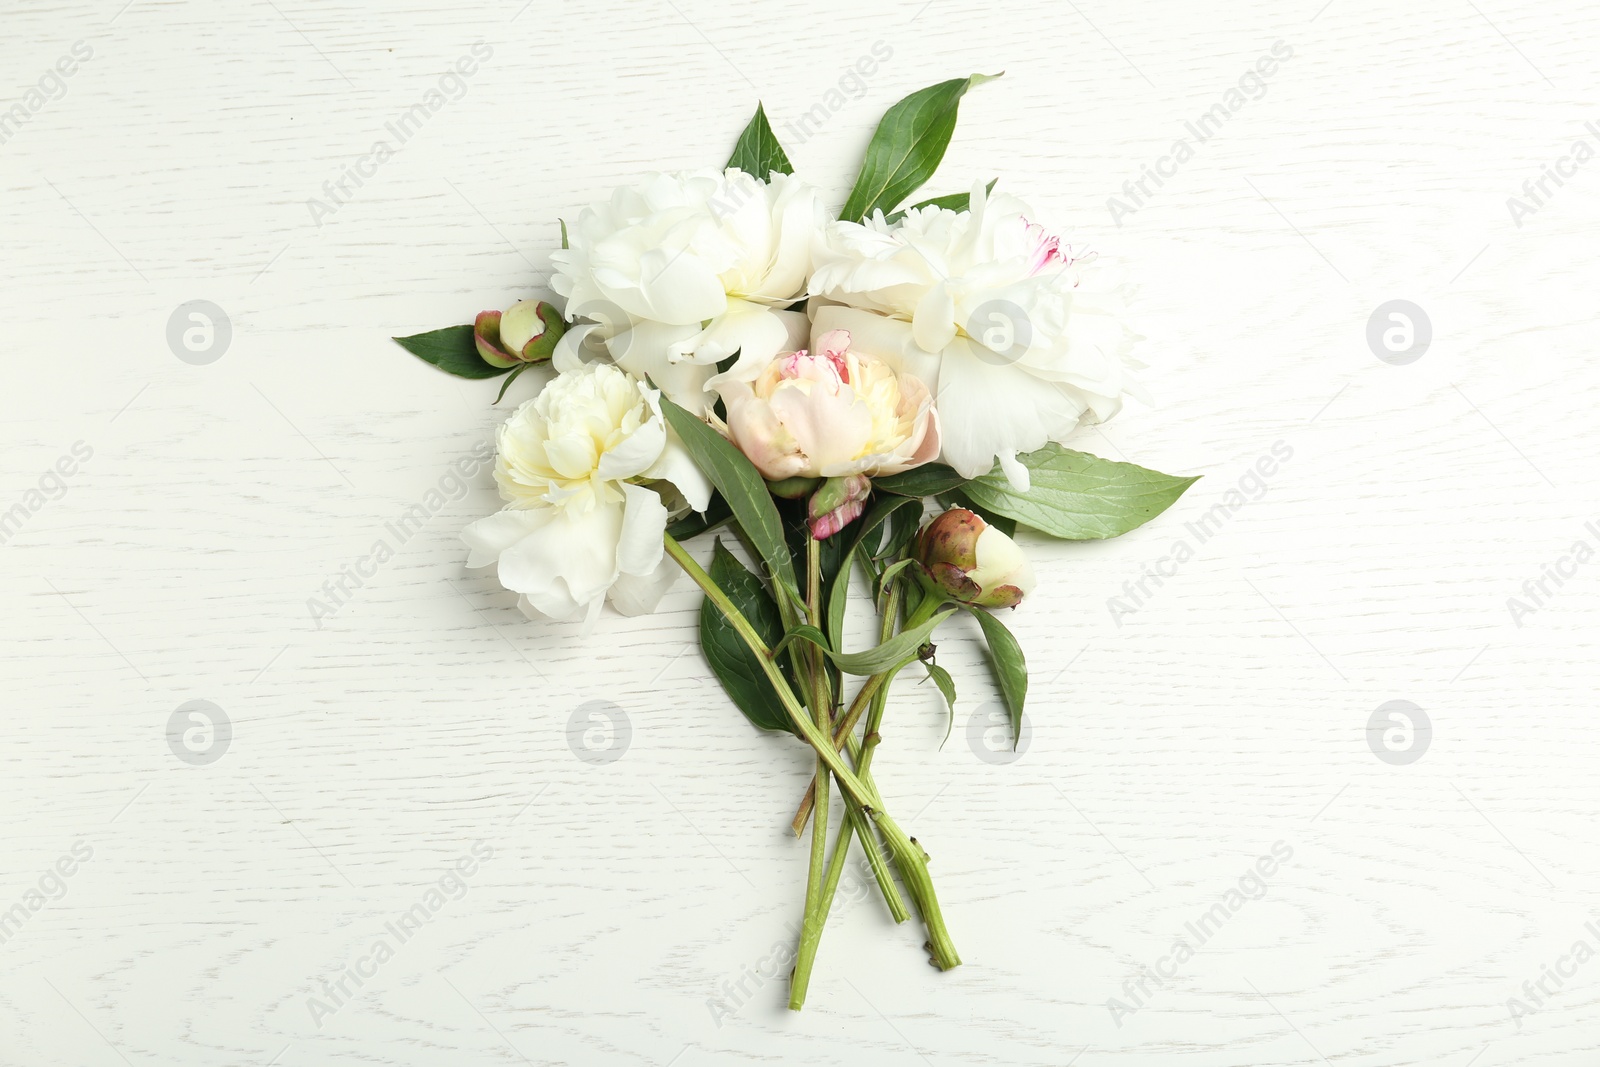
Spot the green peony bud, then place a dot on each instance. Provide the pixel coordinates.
(963, 558)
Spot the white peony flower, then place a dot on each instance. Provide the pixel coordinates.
(682, 271)
(1009, 333)
(578, 525)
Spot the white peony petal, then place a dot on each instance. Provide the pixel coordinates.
(568, 562)
(644, 520)
(933, 325)
(644, 351)
(675, 466)
(487, 538)
(635, 454)
(987, 410)
(880, 337)
(638, 594)
(1017, 474)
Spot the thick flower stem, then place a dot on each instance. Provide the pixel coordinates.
(873, 695)
(818, 899)
(908, 856)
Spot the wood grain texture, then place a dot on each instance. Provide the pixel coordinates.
(625, 902)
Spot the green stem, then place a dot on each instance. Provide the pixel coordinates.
(908, 856)
(873, 694)
(818, 899)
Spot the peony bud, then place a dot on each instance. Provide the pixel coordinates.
(526, 333)
(836, 504)
(966, 559)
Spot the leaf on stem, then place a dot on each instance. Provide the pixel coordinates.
(930, 479)
(947, 687)
(735, 665)
(1010, 668)
(453, 350)
(1076, 496)
(892, 654)
(906, 148)
(758, 152)
(839, 594)
(742, 486)
(950, 202)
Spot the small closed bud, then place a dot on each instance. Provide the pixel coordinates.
(837, 503)
(526, 333)
(967, 560)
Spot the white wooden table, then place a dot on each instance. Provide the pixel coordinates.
(631, 881)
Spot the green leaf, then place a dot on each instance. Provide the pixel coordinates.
(950, 202)
(947, 687)
(840, 592)
(563, 222)
(907, 147)
(698, 522)
(758, 152)
(518, 369)
(1010, 668)
(731, 660)
(930, 479)
(804, 632)
(741, 485)
(452, 349)
(895, 652)
(1078, 496)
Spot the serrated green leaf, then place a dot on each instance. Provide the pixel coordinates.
(758, 152)
(452, 349)
(1009, 665)
(731, 660)
(1077, 496)
(742, 486)
(906, 148)
(930, 479)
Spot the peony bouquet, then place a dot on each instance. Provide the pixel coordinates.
(871, 401)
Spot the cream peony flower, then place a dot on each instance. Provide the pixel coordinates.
(578, 525)
(990, 312)
(830, 413)
(682, 271)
